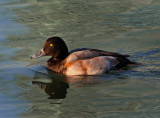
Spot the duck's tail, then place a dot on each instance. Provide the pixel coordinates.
(134, 63)
(125, 62)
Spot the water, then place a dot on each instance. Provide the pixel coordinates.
(29, 90)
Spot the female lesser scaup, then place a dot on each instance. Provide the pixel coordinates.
(81, 61)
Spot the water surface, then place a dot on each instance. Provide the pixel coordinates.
(29, 90)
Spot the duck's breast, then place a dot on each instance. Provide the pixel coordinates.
(96, 65)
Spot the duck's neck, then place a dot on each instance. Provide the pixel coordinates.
(55, 64)
(61, 56)
(62, 52)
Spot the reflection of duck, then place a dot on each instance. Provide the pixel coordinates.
(56, 89)
(82, 61)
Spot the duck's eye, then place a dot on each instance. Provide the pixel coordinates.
(51, 44)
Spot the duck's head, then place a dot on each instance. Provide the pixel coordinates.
(54, 47)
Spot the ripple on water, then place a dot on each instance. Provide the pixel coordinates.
(127, 26)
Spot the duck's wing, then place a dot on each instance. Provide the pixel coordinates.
(106, 53)
(120, 57)
(87, 53)
(82, 54)
(101, 52)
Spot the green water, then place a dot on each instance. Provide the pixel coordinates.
(29, 90)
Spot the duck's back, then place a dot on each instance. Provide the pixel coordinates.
(81, 55)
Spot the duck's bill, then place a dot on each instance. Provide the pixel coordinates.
(39, 54)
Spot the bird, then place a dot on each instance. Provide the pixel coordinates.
(80, 61)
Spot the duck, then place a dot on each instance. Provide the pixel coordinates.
(80, 61)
